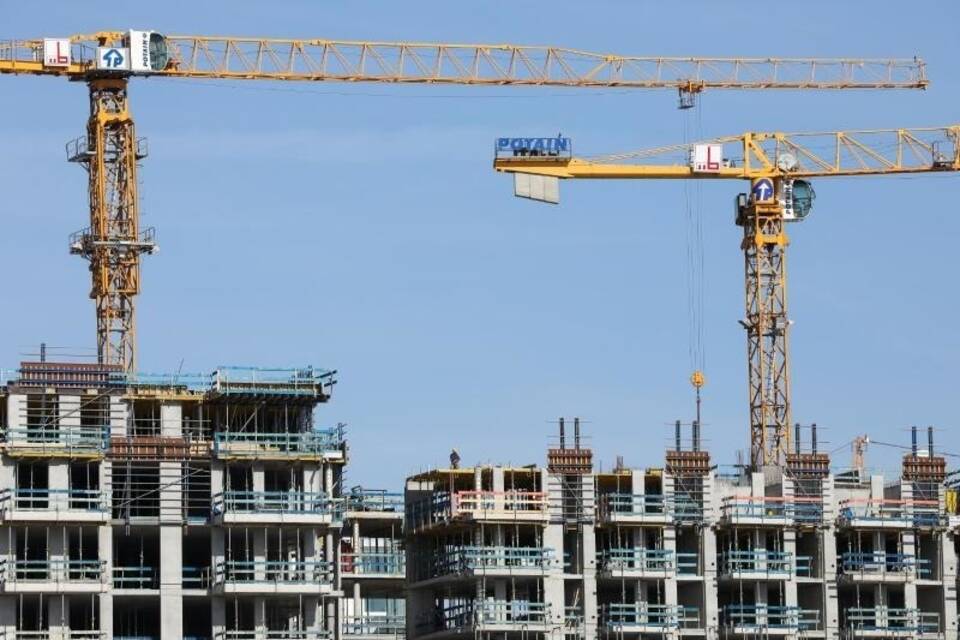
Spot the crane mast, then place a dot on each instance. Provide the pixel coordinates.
(776, 164)
(114, 242)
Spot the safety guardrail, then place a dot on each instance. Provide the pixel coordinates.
(636, 559)
(242, 444)
(373, 563)
(317, 572)
(771, 563)
(280, 502)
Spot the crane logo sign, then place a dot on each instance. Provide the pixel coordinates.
(707, 158)
(113, 59)
(56, 52)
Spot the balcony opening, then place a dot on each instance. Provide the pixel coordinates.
(195, 420)
(33, 485)
(811, 604)
(43, 416)
(136, 558)
(690, 599)
(261, 418)
(196, 618)
(136, 617)
(135, 487)
(84, 481)
(84, 615)
(930, 605)
(283, 479)
(809, 554)
(145, 418)
(32, 614)
(83, 551)
(31, 553)
(928, 555)
(239, 477)
(688, 551)
(94, 413)
(196, 550)
(195, 491)
(379, 613)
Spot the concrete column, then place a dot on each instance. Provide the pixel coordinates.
(553, 592)
(259, 613)
(708, 547)
(58, 480)
(260, 552)
(637, 482)
(57, 547)
(105, 554)
(217, 552)
(218, 616)
(68, 413)
(119, 414)
(670, 597)
(948, 576)
(790, 548)
(16, 411)
(171, 576)
(58, 616)
(171, 420)
(8, 615)
(171, 492)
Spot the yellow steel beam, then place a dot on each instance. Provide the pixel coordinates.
(490, 64)
(755, 155)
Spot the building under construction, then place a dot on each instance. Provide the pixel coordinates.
(187, 507)
(565, 551)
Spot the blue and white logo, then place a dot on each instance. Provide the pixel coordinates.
(762, 190)
(113, 59)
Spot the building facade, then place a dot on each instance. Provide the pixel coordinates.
(680, 551)
(181, 506)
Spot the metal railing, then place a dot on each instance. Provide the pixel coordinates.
(57, 438)
(371, 500)
(761, 616)
(636, 559)
(371, 625)
(654, 506)
(28, 499)
(277, 502)
(319, 572)
(920, 513)
(804, 567)
(770, 508)
(888, 619)
(54, 570)
(688, 563)
(481, 613)
(458, 560)
(666, 616)
(496, 502)
(252, 445)
(379, 563)
(882, 563)
(771, 563)
(136, 578)
(274, 634)
(195, 577)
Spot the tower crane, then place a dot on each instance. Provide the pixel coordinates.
(778, 167)
(110, 151)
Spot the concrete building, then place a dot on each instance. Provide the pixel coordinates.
(680, 551)
(181, 507)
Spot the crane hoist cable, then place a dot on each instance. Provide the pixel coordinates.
(692, 129)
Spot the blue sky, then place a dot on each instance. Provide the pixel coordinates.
(361, 228)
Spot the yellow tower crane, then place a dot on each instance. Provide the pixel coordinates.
(778, 166)
(110, 151)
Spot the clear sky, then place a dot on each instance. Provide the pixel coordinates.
(362, 228)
